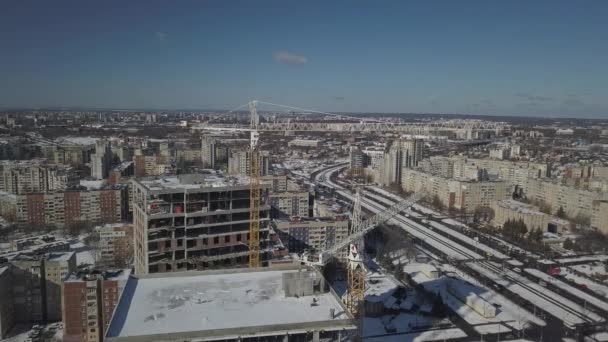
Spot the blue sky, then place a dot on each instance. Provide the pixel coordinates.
(542, 58)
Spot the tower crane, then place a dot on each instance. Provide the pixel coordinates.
(355, 261)
(254, 189)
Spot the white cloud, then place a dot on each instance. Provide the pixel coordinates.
(289, 58)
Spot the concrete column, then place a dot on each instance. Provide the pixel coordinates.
(315, 336)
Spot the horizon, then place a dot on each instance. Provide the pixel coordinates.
(516, 59)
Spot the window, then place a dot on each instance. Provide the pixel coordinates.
(216, 240)
(227, 238)
(238, 237)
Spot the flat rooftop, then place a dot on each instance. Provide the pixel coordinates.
(219, 304)
(193, 182)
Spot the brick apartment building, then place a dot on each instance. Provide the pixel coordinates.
(88, 302)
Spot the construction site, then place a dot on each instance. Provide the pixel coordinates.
(195, 222)
(297, 305)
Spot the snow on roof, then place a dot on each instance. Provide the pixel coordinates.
(60, 256)
(427, 335)
(199, 302)
(184, 182)
(92, 184)
(78, 140)
(567, 288)
(538, 295)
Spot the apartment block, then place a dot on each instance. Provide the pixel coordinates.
(239, 163)
(88, 302)
(37, 285)
(23, 177)
(456, 194)
(289, 203)
(574, 201)
(208, 152)
(599, 217)
(400, 155)
(191, 222)
(154, 165)
(7, 308)
(512, 210)
(71, 207)
(277, 183)
(115, 245)
(101, 160)
(317, 234)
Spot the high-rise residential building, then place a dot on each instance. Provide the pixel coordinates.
(277, 183)
(318, 234)
(23, 177)
(401, 154)
(499, 153)
(7, 306)
(71, 207)
(456, 194)
(599, 217)
(101, 160)
(358, 159)
(37, 284)
(239, 164)
(88, 302)
(208, 152)
(194, 222)
(154, 165)
(115, 246)
(289, 203)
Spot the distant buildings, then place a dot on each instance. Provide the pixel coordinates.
(88, 302)
(302, 234)
(289, 203)
(115, 246)
(456, 194)
(7, 308)
(401, 154)
(36, 285)
(506, 210)
(70, 207)
(101, 160)
(208, 152)
(239, 163)
(23, 177)
(154, 165)
(312, 143)
(194, 222)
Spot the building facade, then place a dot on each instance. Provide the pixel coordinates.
(289, 203)
(88, 302)
(71, 207)
(115, 247)
(317, 234)
(192, 222)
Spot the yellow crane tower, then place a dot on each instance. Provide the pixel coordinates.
(254, 189)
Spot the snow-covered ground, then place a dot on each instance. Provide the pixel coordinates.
(52, 332)
(509, 316)
(540, 296)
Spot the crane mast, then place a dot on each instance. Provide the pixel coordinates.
(254, 189)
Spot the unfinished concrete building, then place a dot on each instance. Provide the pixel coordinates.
(268, 304)
(194, 222)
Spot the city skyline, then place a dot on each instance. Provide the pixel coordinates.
(542, 59)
